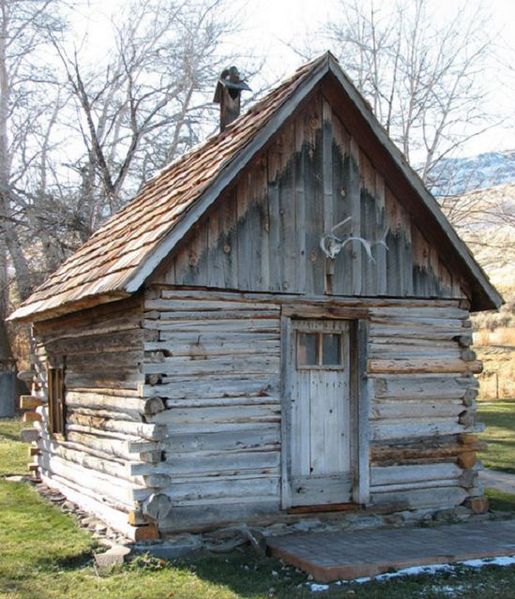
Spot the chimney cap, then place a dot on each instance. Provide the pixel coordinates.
(230, 79)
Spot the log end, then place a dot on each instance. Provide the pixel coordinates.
(147, 532)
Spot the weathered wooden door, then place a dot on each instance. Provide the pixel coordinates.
(319, 392)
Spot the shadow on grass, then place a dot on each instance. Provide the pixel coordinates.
(500, 501)
(245, 573)
(10, 429)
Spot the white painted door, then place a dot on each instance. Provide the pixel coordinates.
(320, 413)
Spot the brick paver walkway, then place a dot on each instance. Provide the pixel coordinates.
(339, 555)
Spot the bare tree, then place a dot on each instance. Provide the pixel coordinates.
(149, 102)
(422, 78)
(24, 29)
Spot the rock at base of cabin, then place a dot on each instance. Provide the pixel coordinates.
(114, 556)
(173, 547)
(306, 525)
(360, 522)
(452, 515)
(478, 505)
(15, 478)
(226, 539)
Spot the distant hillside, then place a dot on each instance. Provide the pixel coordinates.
(485, 220)
(456, 176)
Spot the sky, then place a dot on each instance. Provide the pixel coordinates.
(271, 27)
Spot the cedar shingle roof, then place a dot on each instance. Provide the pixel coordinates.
(106, 262)
(117, 259)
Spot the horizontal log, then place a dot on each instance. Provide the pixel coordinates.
(386, 430)
(211, 315)
(443, 497)
(153, 432)
(112, 467)
(167, 292)
(430, 449)
(192, 492)
(431, 333)
(212, 347)
(227, 364)
(93, 380)
(79, 410)
(91, 345)
(181, 305)
(114, 514)
(210, 462)
(30, 402)
(409, 320)
(105, 485)
(414, 486)
(193, 518)
(423, 387)
(214, 402)
(423, 366)
(394, 475)
(407, 352)
(269, 325)
(29, 435)
(266, 437)
(233, 386)
(29, 417)
(414, 313)
(415, 409)
(26, 375)
(106, 445)
(242, 413)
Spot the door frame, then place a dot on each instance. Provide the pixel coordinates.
(359, 404)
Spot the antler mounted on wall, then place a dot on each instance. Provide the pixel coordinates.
(332, 245)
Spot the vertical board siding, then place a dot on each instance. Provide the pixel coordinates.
(264, 233)
(218, 371)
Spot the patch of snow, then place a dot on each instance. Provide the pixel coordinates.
(490, 561)
(317, 588)
(417, 570)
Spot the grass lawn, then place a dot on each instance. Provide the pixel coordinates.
(44, 555)
(499, 417)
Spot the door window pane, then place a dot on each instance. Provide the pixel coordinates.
(331, 349)
(307, 349)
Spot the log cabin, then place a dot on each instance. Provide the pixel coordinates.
(278, 323)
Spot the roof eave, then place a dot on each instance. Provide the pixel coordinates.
(39, 311)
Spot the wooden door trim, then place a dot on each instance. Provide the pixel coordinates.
(359, 407)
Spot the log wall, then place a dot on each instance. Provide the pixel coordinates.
(215, 359)
(101, 350)
(174, 407)
(216, 364)
(422, 406)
